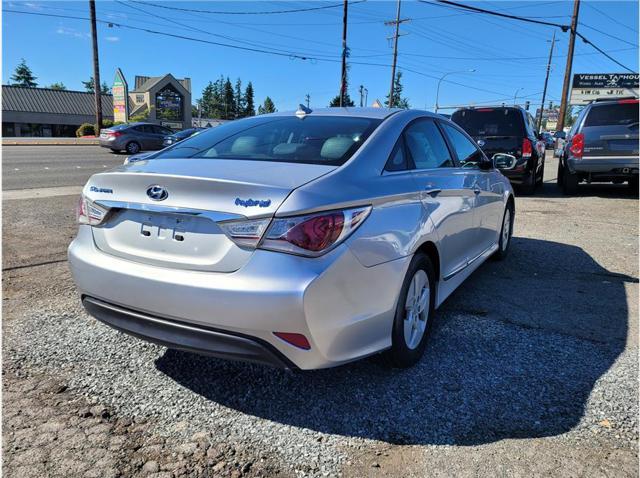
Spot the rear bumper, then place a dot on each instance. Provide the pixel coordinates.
(114, 143)
(613, 166)
(344, 309)
(187, 337)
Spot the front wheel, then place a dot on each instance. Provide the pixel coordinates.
(414, 313)
(132, 147)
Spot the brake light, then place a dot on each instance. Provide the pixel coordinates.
(89, 212)
(636, 101)
(527, 148)
(114, 133)
(577, 145)
(315, 234)
(485, 109)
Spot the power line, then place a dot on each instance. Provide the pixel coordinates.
(564, 28)
(272, 12)
(617, 22)
(608, 34)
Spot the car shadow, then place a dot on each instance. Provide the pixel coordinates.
(515, 353)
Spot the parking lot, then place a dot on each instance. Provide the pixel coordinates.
(532, 369)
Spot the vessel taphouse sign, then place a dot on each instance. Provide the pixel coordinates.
(587, 87)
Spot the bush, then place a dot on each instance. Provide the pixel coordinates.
(86, 129)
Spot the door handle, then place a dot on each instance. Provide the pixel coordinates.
(433, 192)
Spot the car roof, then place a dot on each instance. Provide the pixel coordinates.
(374, 113)
(491, 107)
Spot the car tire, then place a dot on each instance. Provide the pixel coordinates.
(410, 331)
(505, 237)
(540, 181)
(633, 184)
(569, 182)
(528, 187)
(560, 174)
(132, 147)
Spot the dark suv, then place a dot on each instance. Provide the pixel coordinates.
(507, 130)
(602, 146)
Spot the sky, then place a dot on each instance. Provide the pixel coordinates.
(509, 57)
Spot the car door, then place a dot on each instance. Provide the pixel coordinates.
(144, 135)
(446, 192)
(487, 188)
(159, 134)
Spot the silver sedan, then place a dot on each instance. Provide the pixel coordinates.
(303, 240)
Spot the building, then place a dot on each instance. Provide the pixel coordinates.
(47, 112)
(160, 99)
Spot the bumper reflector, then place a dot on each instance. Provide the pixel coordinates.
(297, 340)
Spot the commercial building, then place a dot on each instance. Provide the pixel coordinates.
(47, 112)
(160, 99)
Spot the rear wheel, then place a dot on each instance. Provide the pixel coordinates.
(132, 147)
(560, 174)
(529, 185)
(505, 233)
(633, 184)
(540, 181)
(414, 313)
(569, 182)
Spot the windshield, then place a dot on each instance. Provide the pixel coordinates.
(490, 121)
(330, 140)
(613, 114)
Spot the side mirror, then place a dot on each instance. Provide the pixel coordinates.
(504, 161)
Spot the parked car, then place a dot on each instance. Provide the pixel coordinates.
(134, 137)
(601, 146)
(549, 140)
(180, 135)
(507, 130)
(302, 240)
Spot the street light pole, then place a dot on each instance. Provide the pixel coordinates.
(97, 89)
(515, 95)
(442, 78)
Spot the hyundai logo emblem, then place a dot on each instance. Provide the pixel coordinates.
(157, 193)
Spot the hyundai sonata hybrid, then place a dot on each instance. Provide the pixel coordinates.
(302, 240)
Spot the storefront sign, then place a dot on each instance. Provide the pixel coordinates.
(120, 91)
(588, 87)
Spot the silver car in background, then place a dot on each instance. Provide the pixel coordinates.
(303, 240)
(134, 137)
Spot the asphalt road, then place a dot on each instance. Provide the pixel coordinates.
(31, 167)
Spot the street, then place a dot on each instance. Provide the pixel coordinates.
(532, 369)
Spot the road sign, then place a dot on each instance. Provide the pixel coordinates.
(588, 87)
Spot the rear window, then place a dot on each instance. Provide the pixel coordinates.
(490, 121)
(613, 114)
(330, 140)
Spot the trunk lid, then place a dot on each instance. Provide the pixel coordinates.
(181, 230)
(611, 129)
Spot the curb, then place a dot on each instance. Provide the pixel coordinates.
(50, 143)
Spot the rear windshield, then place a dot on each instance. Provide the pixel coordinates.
(330, 140)
(490, 121)
(613, 114)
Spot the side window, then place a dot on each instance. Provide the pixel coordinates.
(466, 150)
(426, 146)
(398, 159)
(160, 130)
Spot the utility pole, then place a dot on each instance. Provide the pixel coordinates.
(307, 99)
(546, 81)
(567, 71)
(343, 81)
(361, 89)
(366, 96)
(397, 23)
(97, 89)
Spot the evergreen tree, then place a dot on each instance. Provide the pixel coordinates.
(267, 107)
(249, 106)
(228, 100)
(206, 102)
(58, 86)
(23, 76)
(346, 101)
(398, 100)
(89, 86)
(240, 100)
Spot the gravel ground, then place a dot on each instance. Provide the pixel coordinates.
(532, 370)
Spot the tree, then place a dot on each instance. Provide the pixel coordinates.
(249, 105)
(398, 100)
(240, 100)
(89, 86)
(23, 76)
(267, 107)
(228, 100)
(57, 86)
(346, 101)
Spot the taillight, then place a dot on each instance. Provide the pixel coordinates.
(89, 212)
(629, 100)
(314, 234)
(577, 145)
(527, 148)
(245, 233)
(114, 133)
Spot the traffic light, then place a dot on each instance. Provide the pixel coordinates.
(526, 105)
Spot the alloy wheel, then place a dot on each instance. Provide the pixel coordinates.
(417, 309)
